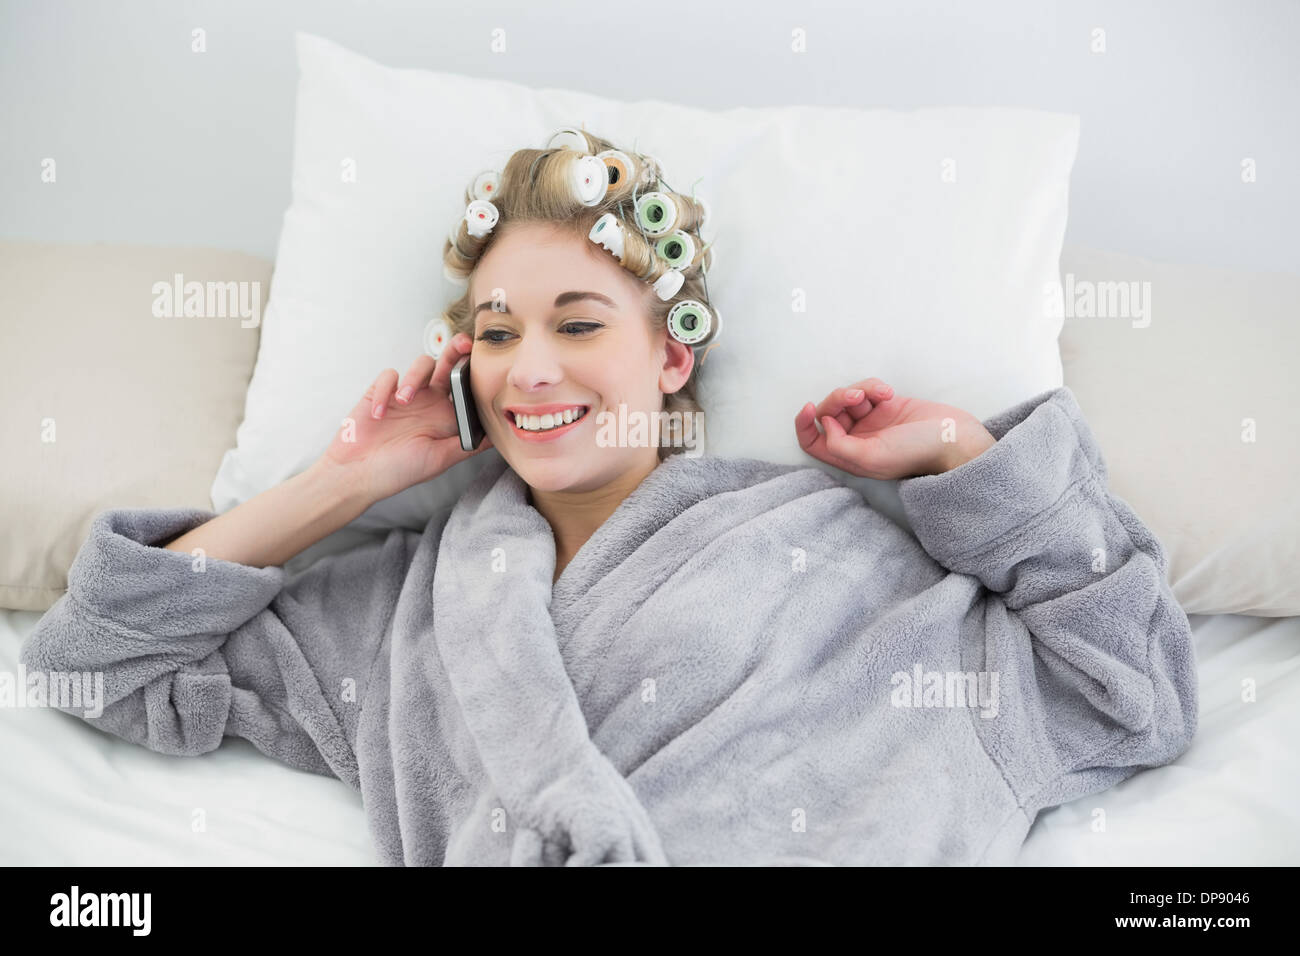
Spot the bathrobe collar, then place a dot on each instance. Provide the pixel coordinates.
(672, 488)
(503, 629)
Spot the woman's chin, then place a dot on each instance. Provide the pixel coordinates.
(546, 472)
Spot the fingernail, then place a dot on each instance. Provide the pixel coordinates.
(854, 394)
(378, 411)
(404, 394)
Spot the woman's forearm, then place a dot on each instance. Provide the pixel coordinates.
(281, 522)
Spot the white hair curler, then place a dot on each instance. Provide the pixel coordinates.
(608, 232)
(568, 137)
(677, 249)
(589, 179)
(690, 322)
(486, 185)
(656, 213)
(436, 336)
(480, 217)
(669, 284)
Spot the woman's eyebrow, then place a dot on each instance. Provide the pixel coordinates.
(564, 298)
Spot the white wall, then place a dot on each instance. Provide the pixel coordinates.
(157, 144)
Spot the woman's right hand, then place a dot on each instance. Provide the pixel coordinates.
(414, 436)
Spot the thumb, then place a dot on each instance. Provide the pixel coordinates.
(835, 433)
(849, 452)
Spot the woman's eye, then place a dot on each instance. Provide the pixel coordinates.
(572, 329)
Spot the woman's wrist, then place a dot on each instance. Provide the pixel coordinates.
(341, 488)
(975, 441)
(300, 511)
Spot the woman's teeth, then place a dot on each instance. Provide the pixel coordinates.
(542, 423)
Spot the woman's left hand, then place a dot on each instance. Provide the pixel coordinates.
(874, 433)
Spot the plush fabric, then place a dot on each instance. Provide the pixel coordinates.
(116, 395)
(735, 668)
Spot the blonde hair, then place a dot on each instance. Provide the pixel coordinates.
(536, 187)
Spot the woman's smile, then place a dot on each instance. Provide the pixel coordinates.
(546, 422)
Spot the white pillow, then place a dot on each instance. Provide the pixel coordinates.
(920, 241)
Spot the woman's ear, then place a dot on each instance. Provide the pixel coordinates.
(679, 360)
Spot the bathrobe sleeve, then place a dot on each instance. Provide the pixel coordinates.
(194, 652)
(1094, 657)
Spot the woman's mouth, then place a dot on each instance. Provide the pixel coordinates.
(548, 426)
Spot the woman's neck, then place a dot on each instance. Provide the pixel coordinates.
(575, 516)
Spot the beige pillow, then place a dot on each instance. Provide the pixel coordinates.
(106, 403)
(1174, 390)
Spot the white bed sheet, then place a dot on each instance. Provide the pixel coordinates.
(74, 795)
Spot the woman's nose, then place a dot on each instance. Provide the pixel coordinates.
(533, 365)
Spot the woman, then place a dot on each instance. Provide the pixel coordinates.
(622, 653)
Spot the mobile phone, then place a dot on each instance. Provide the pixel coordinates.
(462, 399)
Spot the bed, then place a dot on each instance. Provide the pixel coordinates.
(74, 795)
(71, 794)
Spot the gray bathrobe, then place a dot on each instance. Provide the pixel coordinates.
(745, 664)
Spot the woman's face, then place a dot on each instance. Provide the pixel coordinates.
(560, 324)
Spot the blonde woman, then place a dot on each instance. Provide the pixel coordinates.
(619, 652)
